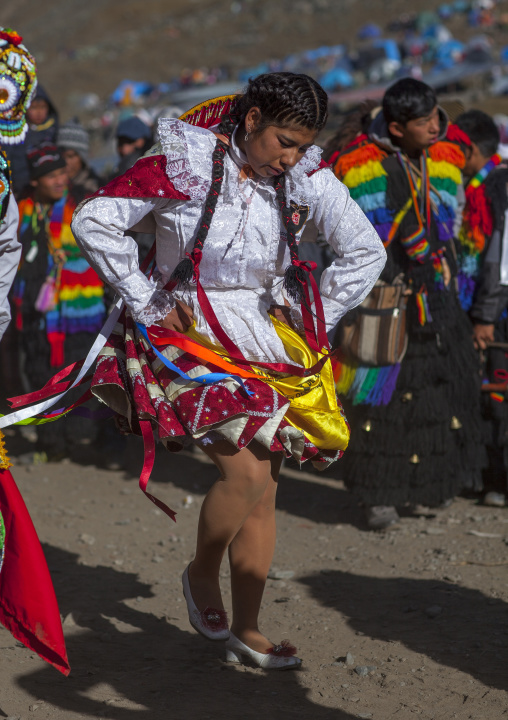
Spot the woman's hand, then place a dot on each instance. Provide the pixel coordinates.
(180, 318)
(281, 313)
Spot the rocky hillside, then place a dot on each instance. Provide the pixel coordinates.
(90, 46)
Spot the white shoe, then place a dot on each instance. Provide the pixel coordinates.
(280, 657)
(380, 517)
(210, 622)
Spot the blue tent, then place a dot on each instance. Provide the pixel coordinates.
(445, 11)
(338, 77)
(369, 32)
(446, 54)
(390, 47)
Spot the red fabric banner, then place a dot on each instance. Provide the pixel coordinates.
(28, 606)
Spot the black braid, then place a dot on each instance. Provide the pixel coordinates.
(294, 276)
(184, 270)
(284, 100)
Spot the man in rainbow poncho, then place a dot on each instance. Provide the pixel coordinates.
(416, 434)
(58, 297)
(483, 279)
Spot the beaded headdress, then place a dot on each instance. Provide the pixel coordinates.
(17, 85)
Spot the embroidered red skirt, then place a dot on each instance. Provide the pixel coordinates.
(136, 385)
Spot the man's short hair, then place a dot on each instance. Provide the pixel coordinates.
(408, 99)
(480, 129)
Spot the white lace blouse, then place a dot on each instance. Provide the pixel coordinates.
(245, 254)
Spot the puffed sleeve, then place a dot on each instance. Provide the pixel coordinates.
(360, 251)
(10, 253)
(99, 227)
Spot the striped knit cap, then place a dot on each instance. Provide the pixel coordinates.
(73, 136)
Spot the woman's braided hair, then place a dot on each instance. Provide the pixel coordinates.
(284, 99)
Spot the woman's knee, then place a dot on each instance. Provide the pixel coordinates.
(250, 480)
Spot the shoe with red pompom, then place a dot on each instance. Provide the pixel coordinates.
(210, 622)
(278, 657)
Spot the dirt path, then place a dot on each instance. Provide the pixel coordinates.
(421, 609)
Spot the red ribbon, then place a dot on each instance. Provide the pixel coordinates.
(149, 443)
(318, 341)
(316, 337)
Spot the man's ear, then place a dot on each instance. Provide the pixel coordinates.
(34, 183)
(396, 129)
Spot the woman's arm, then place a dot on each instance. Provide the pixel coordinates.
(361, 255)
(99, 227)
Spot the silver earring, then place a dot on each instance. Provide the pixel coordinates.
(246, 138)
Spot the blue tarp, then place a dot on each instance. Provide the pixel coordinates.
(338, 77)
(135, 89)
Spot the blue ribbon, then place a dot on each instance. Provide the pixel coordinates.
(208, 379)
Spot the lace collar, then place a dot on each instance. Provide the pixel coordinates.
(188, 151)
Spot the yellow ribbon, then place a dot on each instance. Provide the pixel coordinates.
(313, 405)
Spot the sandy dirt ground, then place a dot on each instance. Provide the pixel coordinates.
(403, 624)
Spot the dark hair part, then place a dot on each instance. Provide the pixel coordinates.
(285, 100)
(408, 99)
(481, 130)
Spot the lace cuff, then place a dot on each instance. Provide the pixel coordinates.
(161, 303)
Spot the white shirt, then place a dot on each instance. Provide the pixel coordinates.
(241, 272)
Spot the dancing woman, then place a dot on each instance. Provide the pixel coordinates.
(230, 201)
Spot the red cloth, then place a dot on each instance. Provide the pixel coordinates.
(147, 179)
(28, 606)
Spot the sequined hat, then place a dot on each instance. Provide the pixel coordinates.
(17, 84)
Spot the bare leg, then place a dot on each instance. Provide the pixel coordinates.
(245, 475)
(250, 557)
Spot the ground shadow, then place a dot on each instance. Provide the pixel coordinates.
(469, 633)
(153, 669)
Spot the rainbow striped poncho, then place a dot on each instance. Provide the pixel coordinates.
(477, 228)
(361, 167)
(79, 303)
(370, 171)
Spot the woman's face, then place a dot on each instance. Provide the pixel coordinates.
(274, 149)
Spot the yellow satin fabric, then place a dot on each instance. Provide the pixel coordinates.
(313, 401)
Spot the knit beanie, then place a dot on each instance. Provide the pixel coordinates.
(43, 159)
(73, 136)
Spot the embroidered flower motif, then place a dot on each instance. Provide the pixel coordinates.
(160, 191)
